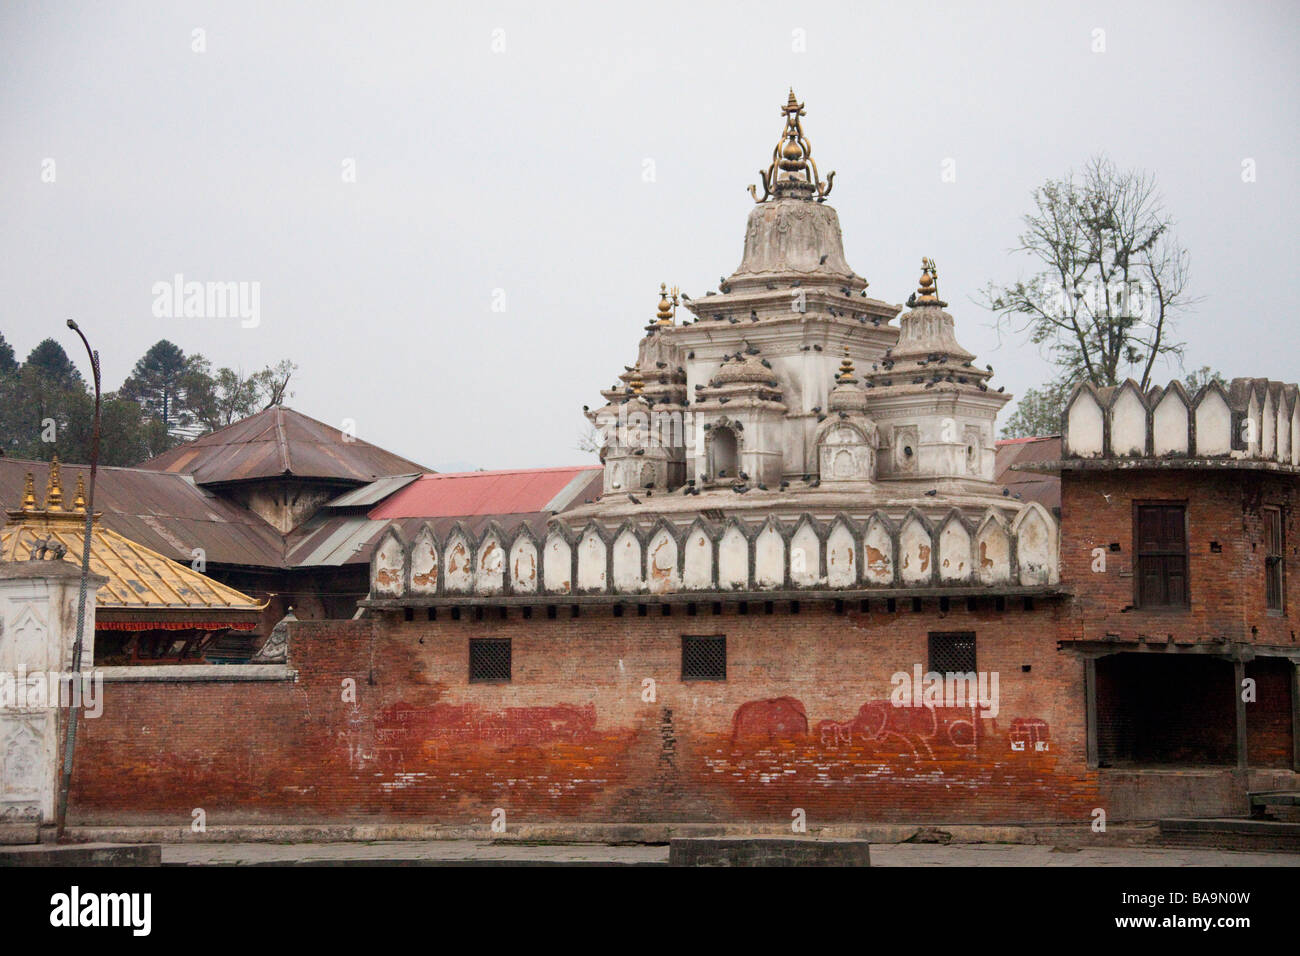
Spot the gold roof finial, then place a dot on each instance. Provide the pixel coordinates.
(79, 502)
(928, 290)
(29, 493)
(636, 384)
(845, 375)
(792, 171)
(667, 304)
(54, 487)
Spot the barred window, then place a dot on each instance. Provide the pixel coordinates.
(704, 658)
(1274, 560)
(952, 652)
(489, 660)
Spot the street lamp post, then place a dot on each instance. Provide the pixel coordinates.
(70, 739)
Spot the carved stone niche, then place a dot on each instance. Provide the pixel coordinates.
(906, 448)
(27, 761)
(844, 453)
(723, 447)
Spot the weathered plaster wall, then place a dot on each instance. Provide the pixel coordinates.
(802, 721)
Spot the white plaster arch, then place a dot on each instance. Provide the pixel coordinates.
(878, 552)
(1036, 545)
(557, 564)
(424, 562)
(769, 557)
(733, 559)
(841, 556)
(1128, 423)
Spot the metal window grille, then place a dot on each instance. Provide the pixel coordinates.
(1274, 559)
(489, 660)
(704, 658)
(952, 653)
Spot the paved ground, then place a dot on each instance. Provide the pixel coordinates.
(477, 852)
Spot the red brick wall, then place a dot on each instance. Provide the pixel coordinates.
(802, 722)
(571, 737)
(1268, 717)
(1226, 587)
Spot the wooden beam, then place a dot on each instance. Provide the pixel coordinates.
(1090, 709)
(1295, 716)
(1239, 675)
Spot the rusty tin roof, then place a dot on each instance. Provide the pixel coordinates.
(280, 442)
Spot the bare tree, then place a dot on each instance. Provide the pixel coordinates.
(274, 382)
(590, 441)
(1112, 277)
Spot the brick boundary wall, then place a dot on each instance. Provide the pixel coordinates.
(802, 722)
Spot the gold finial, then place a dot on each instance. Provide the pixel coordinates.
(54, 487)
(636, 384)
(793, 171)
(79, 502)
(667, 304)
(845, 375)
(928, 291)
(29, 493)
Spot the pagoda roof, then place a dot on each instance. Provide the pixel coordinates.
(280, 442)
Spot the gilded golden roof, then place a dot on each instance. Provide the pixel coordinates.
(138, 578)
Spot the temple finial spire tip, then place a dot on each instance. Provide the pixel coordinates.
(54, 487)
(792, 172)
(667, 304)
(928, 288)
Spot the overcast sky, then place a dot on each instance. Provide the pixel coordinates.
(522, 169)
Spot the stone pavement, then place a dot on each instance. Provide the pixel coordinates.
(508, 853)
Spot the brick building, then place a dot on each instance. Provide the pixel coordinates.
(807, 586)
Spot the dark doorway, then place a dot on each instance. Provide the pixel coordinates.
(1165, 710)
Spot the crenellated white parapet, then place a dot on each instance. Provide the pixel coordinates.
(911, 551)
(1251, 419)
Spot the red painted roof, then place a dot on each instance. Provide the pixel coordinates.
(1021, 441)
(471, 493)
(1031, 486)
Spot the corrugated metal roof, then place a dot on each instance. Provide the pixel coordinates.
(514, 492)
(1045, 489)
(166, 513)
(280, 441)
(477, 524)
(372, 493)
(334, 540)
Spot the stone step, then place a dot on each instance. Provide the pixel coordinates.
(82, 854)
(1231, 833)
(771, 851)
